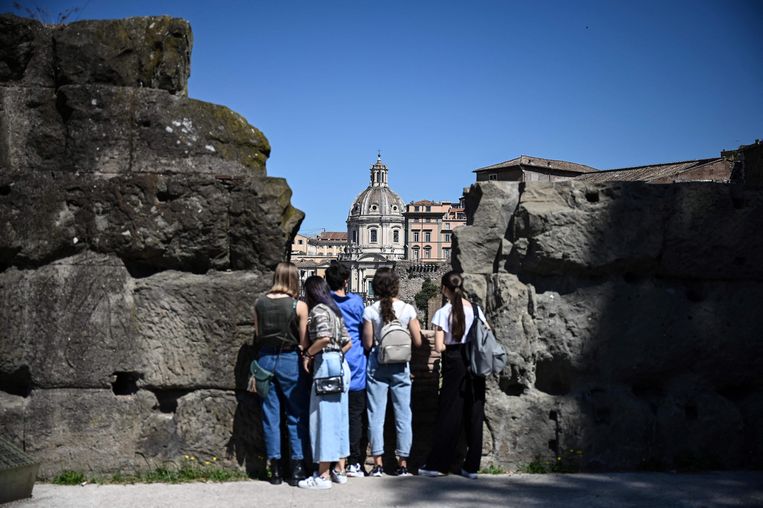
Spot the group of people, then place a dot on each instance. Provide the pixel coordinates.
(332, 335)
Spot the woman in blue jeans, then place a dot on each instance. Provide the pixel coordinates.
(392, 378)
(280, 323)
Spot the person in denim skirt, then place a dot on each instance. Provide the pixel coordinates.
(329, 419)
(352, 307)
(280, 323)
(394, 378)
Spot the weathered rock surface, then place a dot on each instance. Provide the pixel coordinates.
(628, 314)
(137, 228)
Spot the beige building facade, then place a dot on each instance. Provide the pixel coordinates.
(429, 229)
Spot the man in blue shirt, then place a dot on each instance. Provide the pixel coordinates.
(351, 305)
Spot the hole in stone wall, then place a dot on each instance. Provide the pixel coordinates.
(141, 270)
(592, 196)
(690, 410)
(553, 445)
(126, 383)
(168, 399)
(554, 376)
(5, 190)
(511, 388)
(145, 123)
(553, 416)
(18, 382)
(164, 196)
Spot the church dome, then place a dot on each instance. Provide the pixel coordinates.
(378, 199)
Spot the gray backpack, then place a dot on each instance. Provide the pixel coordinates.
(394, 345)
(486, 356)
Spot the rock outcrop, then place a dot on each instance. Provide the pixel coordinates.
(137, 226)
(629, 312)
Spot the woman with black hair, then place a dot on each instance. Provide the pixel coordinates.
(329, 418)
(392, 378)
(461, 403)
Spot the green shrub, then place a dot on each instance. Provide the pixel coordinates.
(68, 477)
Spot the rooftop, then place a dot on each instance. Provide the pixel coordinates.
(651, 172)
(539, 162)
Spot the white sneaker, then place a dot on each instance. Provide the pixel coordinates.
(338, 477)
(431, 473)
(355, 471)
(467, 474)
(315, 483)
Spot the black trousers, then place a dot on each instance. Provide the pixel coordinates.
(357, 413)
(461, 405)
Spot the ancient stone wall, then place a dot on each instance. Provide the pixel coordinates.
(137, 226)
(631, 316)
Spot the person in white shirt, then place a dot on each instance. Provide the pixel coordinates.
(394, 378)
(461, 404)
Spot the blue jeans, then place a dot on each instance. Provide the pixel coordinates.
(290, 388)
(380, 379)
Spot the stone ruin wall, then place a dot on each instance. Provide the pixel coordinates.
(138, 226)
(631, 314)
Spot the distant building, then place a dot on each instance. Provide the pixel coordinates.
(313, 254)
(429, 227)
(526, 168)
(717, 169)
(375, 230)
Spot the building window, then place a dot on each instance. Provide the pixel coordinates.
(427, 236)
(492, 176)
(447, 236)
(415, 252)
(447, 225)
(354, 236)
(427, 252)
(416, 208)
(299, 242)
(415, 236)
(396, 236)
(446, 253)
(373, 236)
(429, 208)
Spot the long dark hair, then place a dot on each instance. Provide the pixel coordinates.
(386, 285)
(455, 283)
(317, 291)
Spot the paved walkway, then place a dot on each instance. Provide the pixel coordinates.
(724, 489)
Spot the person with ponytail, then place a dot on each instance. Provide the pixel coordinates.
(329, 417)
(461, 404)
(392, 378)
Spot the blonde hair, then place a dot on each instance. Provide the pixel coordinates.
(286, 280)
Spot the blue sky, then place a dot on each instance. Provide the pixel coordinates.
(445, 87)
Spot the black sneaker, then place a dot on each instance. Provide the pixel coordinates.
(275, 472)
(402, 471)
(297, 473)
(377, 471)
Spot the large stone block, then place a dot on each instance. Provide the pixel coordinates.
(70, 323)
(152, 222)
(26, 52)
(146, 52)
(112, 130)
(32, 134)
(714, 232)
(86, 430)
(191, 328)
(571, 227)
